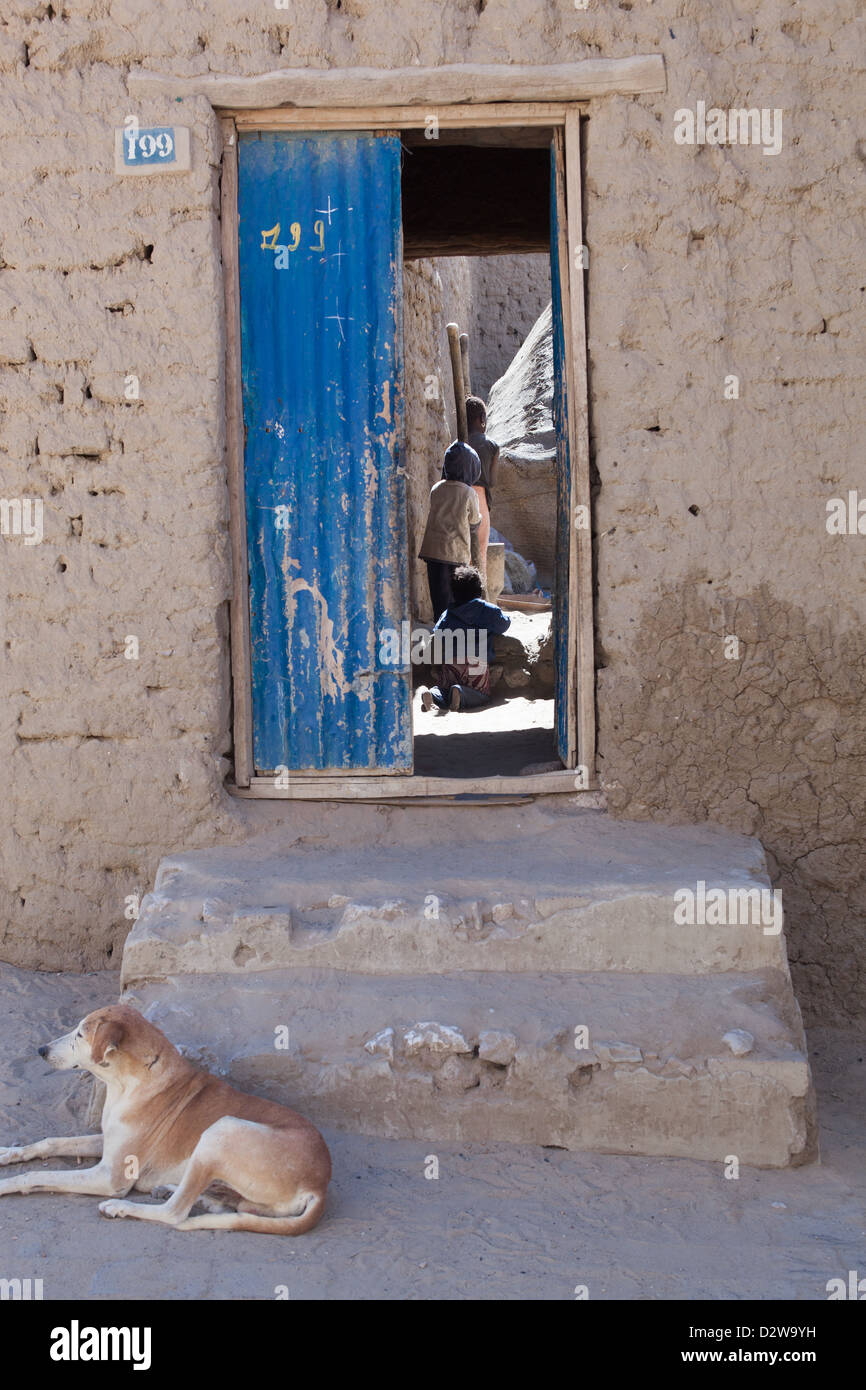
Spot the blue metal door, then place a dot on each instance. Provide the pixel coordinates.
(320, 251)
(564, 606)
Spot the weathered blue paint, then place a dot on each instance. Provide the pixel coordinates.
(564, 712)
(321, 342)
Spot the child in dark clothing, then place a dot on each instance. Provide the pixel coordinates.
(469, 624)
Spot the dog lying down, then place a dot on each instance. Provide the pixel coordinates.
(167, 1125)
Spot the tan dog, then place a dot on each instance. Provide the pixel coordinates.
(165, 1123)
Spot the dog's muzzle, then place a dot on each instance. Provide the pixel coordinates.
(58, 1054)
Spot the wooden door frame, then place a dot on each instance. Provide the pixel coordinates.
(327, 785)
(239, 626)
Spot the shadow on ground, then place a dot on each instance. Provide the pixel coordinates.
(498, 740)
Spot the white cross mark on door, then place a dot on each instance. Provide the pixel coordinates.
(340, 321)
(328, 211)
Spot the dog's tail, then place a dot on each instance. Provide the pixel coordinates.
(255, 1221)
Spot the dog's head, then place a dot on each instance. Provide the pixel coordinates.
(113, 1039)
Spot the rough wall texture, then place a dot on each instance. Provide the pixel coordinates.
(496, 300)
(710, 513)
(508, 294)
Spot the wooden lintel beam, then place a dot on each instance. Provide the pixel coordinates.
(431, 87)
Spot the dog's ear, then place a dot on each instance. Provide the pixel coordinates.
(107, 1038)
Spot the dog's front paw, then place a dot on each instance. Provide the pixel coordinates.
(11, 1155)
(114, 1208)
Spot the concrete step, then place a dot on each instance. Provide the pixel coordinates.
(431, 982)
(608, 1062)
(565, 892)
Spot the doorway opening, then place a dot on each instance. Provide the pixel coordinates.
(323, 218)
(476, 208)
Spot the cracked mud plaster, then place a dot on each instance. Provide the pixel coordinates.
(772, 744)
(703, 262)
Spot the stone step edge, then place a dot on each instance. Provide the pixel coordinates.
(164, 940)
(404, 1037)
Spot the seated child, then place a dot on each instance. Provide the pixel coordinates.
(453, 515)
(470, 623)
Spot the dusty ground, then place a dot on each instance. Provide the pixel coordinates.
(500, 1222)
(500, 739)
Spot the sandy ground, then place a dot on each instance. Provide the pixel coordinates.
(500, 1222)
(500, 739)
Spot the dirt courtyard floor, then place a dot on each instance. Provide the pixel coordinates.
(500, 1222)
(501, 739)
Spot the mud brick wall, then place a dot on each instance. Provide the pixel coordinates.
(705, 262)
(508, 295)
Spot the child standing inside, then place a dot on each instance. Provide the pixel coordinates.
(471, 623)
(453, 517)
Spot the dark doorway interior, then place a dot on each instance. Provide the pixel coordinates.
(474, 200)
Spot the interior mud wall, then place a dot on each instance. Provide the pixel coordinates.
(705, 263)
(495, 300)
(508, 294)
